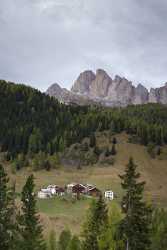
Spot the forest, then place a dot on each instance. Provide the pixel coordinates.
(32, 122)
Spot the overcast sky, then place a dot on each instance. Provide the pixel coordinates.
(47, 41)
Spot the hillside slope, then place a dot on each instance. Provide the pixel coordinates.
(56, 213)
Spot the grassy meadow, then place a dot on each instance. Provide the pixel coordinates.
(59, 213)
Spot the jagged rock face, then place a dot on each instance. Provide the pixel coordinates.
(141, 95)
(152, 96)
(83, 82)
(68, 97)
(54, 90)
(121, 90)
(158, 95)
(163, 94)
(99, 86)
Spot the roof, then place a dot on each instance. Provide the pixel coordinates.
(94, 189)
(60, 190)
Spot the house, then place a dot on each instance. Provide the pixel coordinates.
(52, 189)
(44, 193)
(69, 187)
(75, 188)
(109, 194)
(88, 187)
(78, 188)
(95, 192)
(60, 191)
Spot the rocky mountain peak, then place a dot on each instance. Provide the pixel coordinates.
(83, 82)
(54, 89)
(101, 88)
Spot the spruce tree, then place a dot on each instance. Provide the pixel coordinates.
(29, 225)
(114, 141)
(64, 240)
(6, 211)
(159, 230)
(52, 241)
(97, 220)
(74, 244)
(113, 150)
(136, 224)
(92, 140)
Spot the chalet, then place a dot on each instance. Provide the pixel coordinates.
(75, 188)
(87, 187)
(95, 192)
(109, 194)
(52, 189)
(60, 191)
(44, 193)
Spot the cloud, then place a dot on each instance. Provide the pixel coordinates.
(46, 41)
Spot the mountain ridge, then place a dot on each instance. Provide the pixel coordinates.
(101, 89)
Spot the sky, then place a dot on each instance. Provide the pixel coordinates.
(48, 41)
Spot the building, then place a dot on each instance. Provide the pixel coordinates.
(52, 189)
(60, 191)
(109, 194)
(95, 192)
(75, 188)
(44, 193)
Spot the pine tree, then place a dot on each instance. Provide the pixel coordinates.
(107, 152)
(29, 225)
(113, 150)
(114, 140)
(52, 241)
(159, 230)
(6, 211)
(92, 140)
(74, 244)
(136, 224)
(64, 240)
(97, 220)
(111, 237)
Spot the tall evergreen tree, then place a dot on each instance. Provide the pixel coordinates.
(92, 140)
(64, 240)
(136, 224)
(113, 150)
(111, 237)
(74, 244)
(30, 228)
(159, 230)
(52, 241)
(6, 212)
(97, 220)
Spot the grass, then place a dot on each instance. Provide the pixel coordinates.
(58, 214)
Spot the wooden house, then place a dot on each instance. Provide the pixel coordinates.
(95, 192)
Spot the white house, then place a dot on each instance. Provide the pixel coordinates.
(52, 189)
(109, 195)
(44, 193)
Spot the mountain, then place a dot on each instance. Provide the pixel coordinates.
(101, 88)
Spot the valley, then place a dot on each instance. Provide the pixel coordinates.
(59, 213)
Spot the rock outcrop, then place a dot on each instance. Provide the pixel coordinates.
(68, 97)
(140, 95)
(99, 88)
(83, 82)
(158, 95)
